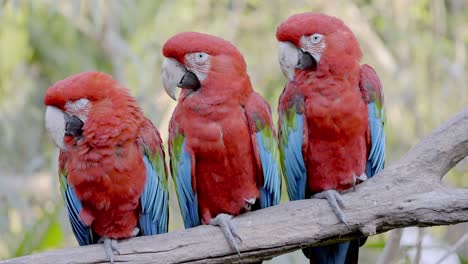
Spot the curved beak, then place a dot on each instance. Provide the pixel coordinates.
(189, 81)
(175, 74)
(288, 56)
(60, 124)
(291, 58)
(55, 125)
(73, 126)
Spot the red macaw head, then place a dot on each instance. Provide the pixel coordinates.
(194, 60)
(314, 42)
(72, 101)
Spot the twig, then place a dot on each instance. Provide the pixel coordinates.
(419, 242)
(454, 248)
(391, 248)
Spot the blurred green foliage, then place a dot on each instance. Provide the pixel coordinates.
(46, 233)
(419, 49)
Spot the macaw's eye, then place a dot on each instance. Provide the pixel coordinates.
(201, 57)
(316, 38)
(78, 104)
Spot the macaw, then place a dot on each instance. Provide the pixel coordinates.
(222, 143)
(112, 170)
(331, 117)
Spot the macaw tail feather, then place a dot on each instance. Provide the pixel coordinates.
(342, 253)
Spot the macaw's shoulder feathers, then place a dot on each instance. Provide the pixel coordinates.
(372, 94)
(265, 147)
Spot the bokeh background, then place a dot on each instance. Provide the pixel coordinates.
(418, 47)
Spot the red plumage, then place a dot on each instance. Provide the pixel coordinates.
(214, 123)
(225, 169)
(336, 129)
(105, 165)
(335, 133)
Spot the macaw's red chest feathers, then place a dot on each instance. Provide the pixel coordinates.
(217, 133)
(225, 167)
(104, 164)
(337, 122)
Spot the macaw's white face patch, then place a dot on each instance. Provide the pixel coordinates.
(79, 108)
(199, 63)
(314, 45)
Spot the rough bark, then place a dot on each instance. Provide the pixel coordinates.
(407, 193)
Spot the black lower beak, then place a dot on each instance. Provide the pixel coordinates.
(306, 62)
(189, 81)
(73, 126)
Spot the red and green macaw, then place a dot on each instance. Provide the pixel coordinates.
(222, 143)
(331, 117)
(112, 171)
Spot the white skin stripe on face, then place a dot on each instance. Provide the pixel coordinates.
(314, 44)
(79, 108)
(199, 63)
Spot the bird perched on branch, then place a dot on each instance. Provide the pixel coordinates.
(223, 147)
(111, 166)
(331, 118)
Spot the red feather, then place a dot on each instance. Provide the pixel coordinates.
(215, 126)
(105, 166)
(336, 118)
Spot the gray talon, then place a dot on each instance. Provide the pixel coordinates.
(110, 246)
(336, 202)
(233, 229)
(224, 221)
(114, 246)
(362, 177)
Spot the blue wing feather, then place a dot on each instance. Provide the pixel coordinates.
(270, 191)
(183, 177)
(293, 161)
(153, 219)
(376, 159)
(82, 232)
(371, 89)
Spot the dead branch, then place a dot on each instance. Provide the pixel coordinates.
(408, 193)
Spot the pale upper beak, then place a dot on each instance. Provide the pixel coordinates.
(291, 58)
(174, 74)
(55, 125)
(60, 124)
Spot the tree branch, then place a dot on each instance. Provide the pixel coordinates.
(408, 193)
